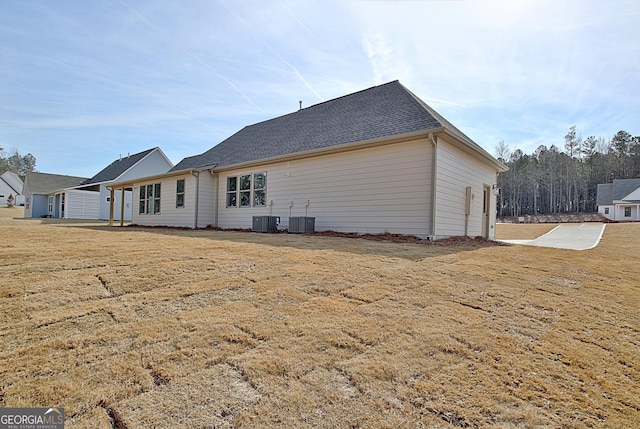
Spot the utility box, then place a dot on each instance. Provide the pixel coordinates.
(265, 223)
(302, 224)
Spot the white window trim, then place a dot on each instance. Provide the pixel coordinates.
(251, 190)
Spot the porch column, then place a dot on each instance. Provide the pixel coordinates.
(111, 207)
(122, 208)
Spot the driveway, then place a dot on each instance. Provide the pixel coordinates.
(568, 236)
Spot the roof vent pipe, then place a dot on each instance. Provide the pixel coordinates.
(300, 105)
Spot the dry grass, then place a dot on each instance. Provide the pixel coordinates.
(526, 231)
(134, 328)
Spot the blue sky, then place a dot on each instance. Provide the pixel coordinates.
(83, 82)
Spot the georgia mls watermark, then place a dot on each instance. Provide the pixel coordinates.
(31, 418)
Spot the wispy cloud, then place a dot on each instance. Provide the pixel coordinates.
(186, 75)
(195, 58)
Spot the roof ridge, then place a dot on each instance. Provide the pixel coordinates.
(54, 174)
(133, 159)
(351, 94)
(380, 111)
(323, 102)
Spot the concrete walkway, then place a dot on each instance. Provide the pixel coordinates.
(568, 236)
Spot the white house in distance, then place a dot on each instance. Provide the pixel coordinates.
(379, 160)
(11, 185)
(620, 200)
(90, 198)
(40, 195)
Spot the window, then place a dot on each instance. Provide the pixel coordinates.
(627, 212)
(247, 190)
(50, 204)
(606, 210)
(149, 199)
(156, 199)
(180, 193)
(232, 188)
(259, 189)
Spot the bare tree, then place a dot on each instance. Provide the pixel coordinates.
(551, 181)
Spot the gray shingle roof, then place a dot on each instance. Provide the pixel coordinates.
(13, 181)
(616, 191)
(44, 183)
(117, 168)
(623, 187)
(381, 111)
(604, 196)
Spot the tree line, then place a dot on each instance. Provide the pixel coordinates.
(553, 180)
(16, 163)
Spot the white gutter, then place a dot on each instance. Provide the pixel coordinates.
(381, 141)
(434, 177)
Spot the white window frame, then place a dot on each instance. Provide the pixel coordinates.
(149, 199)
(247, 190)
(180, 204)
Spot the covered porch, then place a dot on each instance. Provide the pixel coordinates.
(119, 189)
(627, 211)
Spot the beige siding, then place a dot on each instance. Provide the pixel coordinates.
(206, 215)
(82, 205)
(457, 169)
(169, 214)
(153, 163)
(371, 190)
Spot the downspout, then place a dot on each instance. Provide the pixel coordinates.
(196, 174)
(434, 176)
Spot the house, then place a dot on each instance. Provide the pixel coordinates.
(620, 200)
(41, 199)
(11, 185)
(379, 160)
(91, 198)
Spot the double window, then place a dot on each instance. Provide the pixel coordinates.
(149, 199)
(247, 190)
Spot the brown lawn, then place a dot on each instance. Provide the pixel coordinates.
(527, 231)
(143, 328)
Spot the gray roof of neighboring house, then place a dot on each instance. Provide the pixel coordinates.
(13, 181)
(616, 191)
(44, 183)
(117, 168)
(381, 111)
(604, 196)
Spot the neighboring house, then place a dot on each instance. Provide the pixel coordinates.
(11, 184)
(41, 199)
(90, 198)
(379, 160)
(619, 200)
